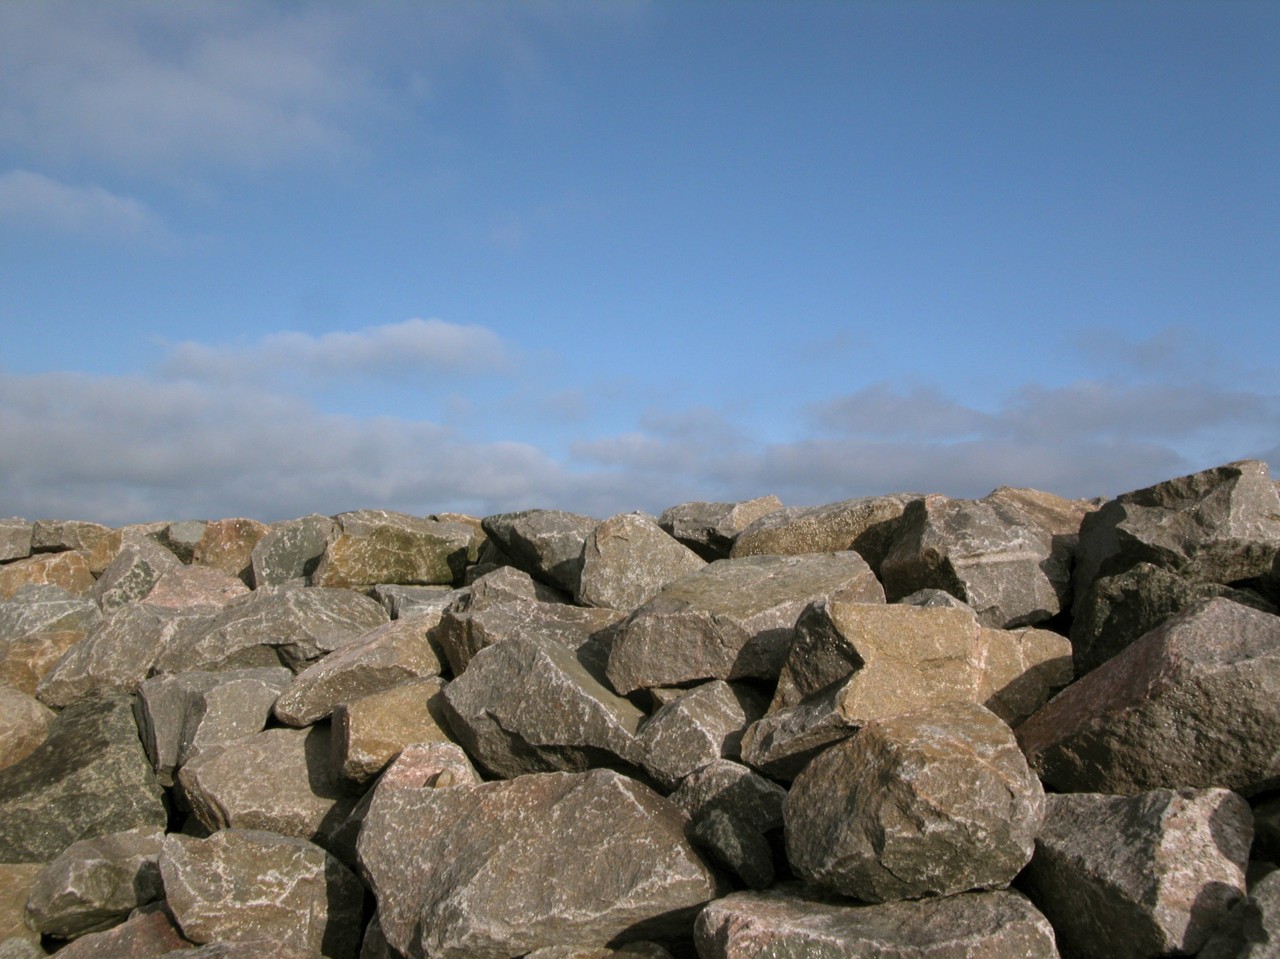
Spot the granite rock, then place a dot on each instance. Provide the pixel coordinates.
(702, 725)
(547, 544)
(369, 546)
(227, 544)
(133, 573)
(709, 529)
(70, 570)
(626, 561)
(866, 526)
(289, 552)
(371, 730)
(24, 725)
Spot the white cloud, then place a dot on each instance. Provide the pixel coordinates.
(33, 201)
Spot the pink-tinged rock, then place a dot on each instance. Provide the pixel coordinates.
(195, 588)
(70, 570)
(709, 529)
(133, 573)
(150, 932)
(627, 559)
(793, 921)
(374, 546)
(928, 803)
(247, 885)
(24, 725)
(369, 731)
(227, 544)
(1141, 876)
(1192, 703)
(481, 872)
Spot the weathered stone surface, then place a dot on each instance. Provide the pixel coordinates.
(183, 537)
(181, 714)
(150, 932)
(240, 885)
(626, 561)
(195, 588)
(227, 544)
(249, 949)
(1192, 703)
(37, 625)
(632, 950)
(17, 948)
(929, 803)
(15, 538)
(464, 632)
(1251, 930)
(853, 662)
(379, 546)
(389, 654)
(90, 777)
(866, 525)
(709, 529)
(136, 569)
(1008, 555)
(24, 725)
(25, 660)
(732, 619)
(1220, 525)
(280, 780)
(16, 880)
(529, 705)
(735, 845)
(289, 552)
(701, 726)
(59, 535)
(70, 570)
(479, 872)
(1139, 876)
(403, 602)
(370, 731)
(1118, 610)
(95, 883)
(792, 920)
(729, 787)
(545, 543)
(273, 626)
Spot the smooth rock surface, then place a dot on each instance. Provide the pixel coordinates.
(628, 559)
(709, 529)
(545, 543)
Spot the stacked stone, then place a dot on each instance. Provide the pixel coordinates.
(907, 726)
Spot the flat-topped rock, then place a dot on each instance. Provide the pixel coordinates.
(371, 546)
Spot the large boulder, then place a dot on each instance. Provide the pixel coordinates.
(1142, 876)
(479, 872)
(469, 628)
(930, 803)
(227, 544)
(700, 726)
(371, 730)
(70, 570)
(867, 525)
(24, 725)
(709, 529)
(627, 559)
(373, 546)
(289, 552)
(15, 538)
(38, 624)
(1192, 703)
(133, 573)
(732, 619)
(545, 543)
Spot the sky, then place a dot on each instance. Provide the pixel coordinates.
(266, 259)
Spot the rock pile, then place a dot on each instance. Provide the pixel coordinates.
(906, 726)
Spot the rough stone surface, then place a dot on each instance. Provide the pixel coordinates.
(405, 602)
(16, 880)
(240, 885)
(15, 538)
(134, 572)
(478, 872)
(37, 625)
(380, 546)
(183, 537)
(709, 529)
(732, 619)
(1192, 703)
(24, 725)
(56, 536)
(730, 787)
(545, 543)
(704, 724)
(94, 884)
(1139, 876)
(793, 921)
(227, 544)
(370, 731)
(90, 777)
(1251, 930)
(735, 845)
(929, 803)
(289, 552)
(387, 655)
(70, 570)
(632, 950)
(150, 932)
(627, 559)
(504, 584)
(463, 633)
(196, 588)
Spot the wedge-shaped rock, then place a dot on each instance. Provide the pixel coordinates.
(70, 570)
(793, 920)
(281, 780)
(1008, 555)
(704, 724)
(181, 714)
(98, 543)
(732, 619)
(94, 884)
(227, 544)
(866, 525)
(1251, 930)
(24, 725)
(274, 626)
(627, 559)
(370, 731)
(529, 705)
(1133, 877)
(247, 885)
(195, 589)
(545, 543)
(463, 633)
(853, 662)
(480, 872)
(929, 803)
(729, 787)
(709, 529)
(134, 572)
(15, 538)
(379, 546)
(89, 778)
(37, 625)
(289, 552)
(382, 658)
(1192, 703)
(150, 931)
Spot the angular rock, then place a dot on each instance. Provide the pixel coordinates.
(181, 714)
(370, 731)
(24, 725)
(94, 884)
(502, 585)
(227, 544)
(25, 660)
(149, 932)
(195, 588)
(1189, 704)
(1139, 876)
(1008, 555)
(478, 872)
(134, 572)
(732, 619)
(403, 602)
(729, 787)
(274, 626)
(37, 625)
(15, 539)
(16, 880)
(545, 543)
(56, 536)
(1251, 930)
(529, 705)
(701, 726)
(628, 559)
(463, 633)
(183, 538)
(70, 570)
(90, 777)
(792, 920)
(289, 552)
(279, 780)
(709, 529)
(240, 885)
(249, 949)
(369, 547)
(929, 803)
(735, 845)
(866, 525)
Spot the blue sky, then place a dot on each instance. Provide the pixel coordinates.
(264, 259)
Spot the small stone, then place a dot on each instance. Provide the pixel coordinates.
(183, 538)
(709, 529)
(627, 559)
(289, 552)
(24, 725)
(406, 602)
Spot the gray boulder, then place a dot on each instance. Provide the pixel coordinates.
(545, 543)
(374, 546)
(735, 845)
(24, 725)
(227, 544)
(627, 559)
(289, 552)
(464, 632)
(702, 725)
(1251, 930)
(729, 787)
(709, 529)
(15, 539)
(405, 602)
(134, 572)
